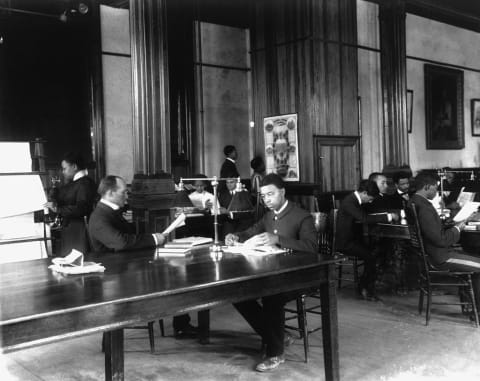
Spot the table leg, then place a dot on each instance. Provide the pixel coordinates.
(330, 327)
(114, 355)
(204, 326)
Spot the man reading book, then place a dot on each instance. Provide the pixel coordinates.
(285, 225)
(437, 239)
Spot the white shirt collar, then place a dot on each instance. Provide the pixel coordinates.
(110, 204)
(233, 161)
(357, 195)
(282, 208)
(400, 192)
(80, 174)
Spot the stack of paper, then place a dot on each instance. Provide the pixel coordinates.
(73, 263)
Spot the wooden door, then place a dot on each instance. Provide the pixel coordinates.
(337, 162)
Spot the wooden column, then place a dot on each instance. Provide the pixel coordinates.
(151, 127)
(394, 80)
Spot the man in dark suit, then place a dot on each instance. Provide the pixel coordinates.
(287, 226)
(349, 233)
(381, 202)
(437, 239)
(399, 199)
(229, 168)
(109, 231)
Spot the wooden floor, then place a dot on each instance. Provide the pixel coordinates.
(378, 341)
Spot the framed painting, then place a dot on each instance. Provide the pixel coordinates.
(281, 146)
(475, 112)
(444, 107)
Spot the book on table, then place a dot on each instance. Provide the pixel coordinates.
(187, 242)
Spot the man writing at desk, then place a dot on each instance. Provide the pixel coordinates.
(109, 231)
(287, 226)
(349, 233)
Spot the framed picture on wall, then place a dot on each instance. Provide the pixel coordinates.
(444, 107)
(475, 112)
(281, 146)
(409, 110)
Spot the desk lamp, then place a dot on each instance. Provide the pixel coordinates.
(240, 202)
(216, 247)
(181, 198)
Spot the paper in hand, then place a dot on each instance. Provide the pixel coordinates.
(467, 210)
(179, 221)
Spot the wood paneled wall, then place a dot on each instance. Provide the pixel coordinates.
(304, 60)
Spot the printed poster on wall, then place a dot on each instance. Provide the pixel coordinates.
(281, 146)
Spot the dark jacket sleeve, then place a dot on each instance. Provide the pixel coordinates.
(257, 228)
(432, 230)
(360, 215)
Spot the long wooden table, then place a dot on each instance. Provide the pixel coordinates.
(39, 306)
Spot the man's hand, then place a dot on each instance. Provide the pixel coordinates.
(230, 239)
(262, 240)
(461, 225)
(208, 204)
(160, 238)
(50, 205)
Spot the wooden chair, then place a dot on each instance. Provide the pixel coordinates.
(302, 308)
(348, 261)
(432, 278)
(149, 326)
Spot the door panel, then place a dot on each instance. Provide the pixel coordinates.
(337, 162)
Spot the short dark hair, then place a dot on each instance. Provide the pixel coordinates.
(199, 177)
(256, 163)
(273, 179)
(425, 179)
(373, 176)
(400, 175)
(108, 183)
(369, 186)
(75, 158)
(227, 150)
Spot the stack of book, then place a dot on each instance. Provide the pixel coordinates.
(183, 246)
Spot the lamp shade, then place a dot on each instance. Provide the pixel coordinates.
(240, 202)
(182, 200)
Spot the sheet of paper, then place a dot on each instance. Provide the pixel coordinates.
(20, 194)
(179, 221)
(253, 250)
(15, 157)
(468, 209)
(465, 197)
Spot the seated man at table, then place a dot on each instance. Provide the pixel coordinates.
(109, 231)
(437, 239)
(287, 226)
(381, 202)
(400, 197)
(349, 233)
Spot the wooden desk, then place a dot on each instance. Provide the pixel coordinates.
(395, 231)
(40, 307)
